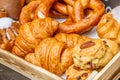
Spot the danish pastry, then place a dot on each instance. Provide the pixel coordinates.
(109, 28)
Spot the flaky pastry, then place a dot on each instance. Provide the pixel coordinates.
(8, 35)
(109, 28)
(30, 34)
(51, 55)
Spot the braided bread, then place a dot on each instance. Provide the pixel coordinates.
(32, 33)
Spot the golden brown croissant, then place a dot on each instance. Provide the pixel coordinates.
(32, 33)
(52, 55)
(55, 54)
(71, 39)
(8, 35)
(109, 28)
(95, 53)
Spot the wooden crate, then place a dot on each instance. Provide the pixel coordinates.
(37, 73)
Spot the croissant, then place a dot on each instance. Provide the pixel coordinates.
(55, 54)
(94, 54)
(30, 34)
(8, 35)
(51, 55)
(109, 28)
(71, 39)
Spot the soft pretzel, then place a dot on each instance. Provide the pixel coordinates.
(28, 11)
(83, 15)
(71, 39)
(30, 34)
(109, 28)
(35, 9)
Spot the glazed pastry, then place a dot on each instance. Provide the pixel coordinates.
(8, 35)
(95, 53)
(52, 55)
(75, 73)
(109, 28)
(32, 33)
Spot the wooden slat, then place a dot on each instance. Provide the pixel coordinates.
(110, 70)
(25, 68)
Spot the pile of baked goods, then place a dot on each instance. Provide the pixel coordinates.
(60, 47)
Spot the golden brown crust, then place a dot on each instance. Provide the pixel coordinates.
(75, 73)
(77, 22)
(7, 36)
(71, 39)
(55, 54)
(35, 9)
(52, 55)
(29, 8)
(109, 28)
(30, 34)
